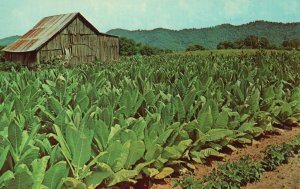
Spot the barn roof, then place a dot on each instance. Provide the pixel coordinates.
(44, 31)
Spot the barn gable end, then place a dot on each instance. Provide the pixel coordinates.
(70, 38)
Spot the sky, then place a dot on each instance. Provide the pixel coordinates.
(18, 16)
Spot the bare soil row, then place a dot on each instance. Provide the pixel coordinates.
(286, 176)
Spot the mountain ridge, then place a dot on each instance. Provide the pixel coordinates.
(209, 37)
(224, 24)
(8, 40)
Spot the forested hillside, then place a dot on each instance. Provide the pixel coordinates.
(211, 37)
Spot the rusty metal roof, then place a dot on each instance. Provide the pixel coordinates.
(45, 30)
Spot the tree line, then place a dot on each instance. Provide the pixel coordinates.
(1, 54)
(129, 47)
(255, 42)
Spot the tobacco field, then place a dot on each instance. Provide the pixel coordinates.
(143, 117)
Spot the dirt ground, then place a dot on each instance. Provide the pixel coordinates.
(255, 151)
(286, 176)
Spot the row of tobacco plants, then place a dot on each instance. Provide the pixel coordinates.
(240, 173)
(106, 124)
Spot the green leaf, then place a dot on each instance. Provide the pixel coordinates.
(150, 171)
(218, 134)
(171, 153)
(222, 120)
(141, 166)
(113, 153)
(70, 182)
(180, 108)
(131, 100)
(22, 178)
(83, 100)
(153, 152)
(107, 116)
(136, 152)
(5, 177)
(247, 127)
(90, 165)
(60, 120)
(101, 134)
(269, 93)
(62, 142)
(122, 158)
(123, 175)
(55, 174)
(254, 101)
(189, 99)
(29, 155)
(202, 154)
(81, 148)
(3, 155)
(166, 171)
(18, 105)
(139, 128)
(278, 91)
(46, 112)
(163, 137)
(127, 135)
(39, 169)
(15, 136)
(214, 109)
(51, 83)
(113, 132)
(243, 140)
(176, 152)
(47, 89)
(205, 119)
(55, 105)
(98, 174)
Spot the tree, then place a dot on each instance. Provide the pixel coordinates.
(291, 44)
(264, 43)
(148, 51)
(238, 44)
(225, 45)
(1, 54)
(251, 41)
(168, 51)
(195, 48)
(272, 46)
(286, 43)
(127, 47)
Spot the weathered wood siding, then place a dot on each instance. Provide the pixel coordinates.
(77, 43)
(24, 58)
(109, 48)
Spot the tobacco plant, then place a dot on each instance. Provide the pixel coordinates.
(100, 125)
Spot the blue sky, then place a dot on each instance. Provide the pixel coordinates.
(18, 16)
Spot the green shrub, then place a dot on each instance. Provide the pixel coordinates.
(8, 66)
(235, 174)
(195, 48)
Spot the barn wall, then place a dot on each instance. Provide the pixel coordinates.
(79, 44)
(24, 58)
(109, 48)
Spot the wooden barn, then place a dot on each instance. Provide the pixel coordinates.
(69, 37)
